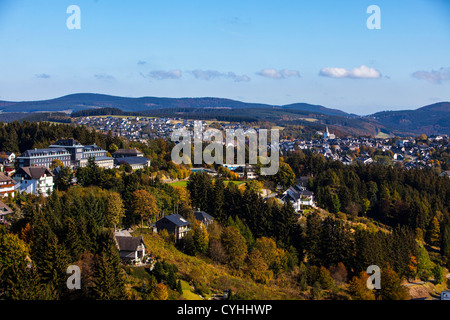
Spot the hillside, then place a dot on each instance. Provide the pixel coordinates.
(216, 276)
(433, 119)
(82, 101)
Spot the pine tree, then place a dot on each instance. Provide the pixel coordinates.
(172, 279)
(179, 287)
(219, 194)
(109, 279)
(52, 265)
(313, 238)
(302, 277)
(72, 241)
(438, 274)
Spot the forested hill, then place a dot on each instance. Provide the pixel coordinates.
(433, 119)
(430, 119)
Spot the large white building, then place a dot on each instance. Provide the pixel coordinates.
(69, 151)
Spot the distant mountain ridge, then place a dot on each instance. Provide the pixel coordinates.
(432, 119)
(83, 101)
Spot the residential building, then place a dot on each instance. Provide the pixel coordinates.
(7, 157)
(174, 224)
(7, 185)
(445, 174)
(131, 249)
(4, 211)
(35, 180)
(298, 196)
(203, 217)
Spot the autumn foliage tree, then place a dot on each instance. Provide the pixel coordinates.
(235, 247)
(357, 288)
(144, 205)
(391, 288)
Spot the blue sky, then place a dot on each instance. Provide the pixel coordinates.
(275, 52)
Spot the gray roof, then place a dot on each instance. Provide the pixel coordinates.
(92, 147)
(34, 172)
(177, 220)
(47, 151)
(4, 209)
(130, 152)
(4, 177)
(133, 160)
(67, 143)
(202, 215)
(129, 243)
(101, 158)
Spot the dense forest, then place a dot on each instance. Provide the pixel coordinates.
(418, 199)
(374, 215)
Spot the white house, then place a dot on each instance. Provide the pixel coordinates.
(298, 196)
(35, 180)
(6, 185)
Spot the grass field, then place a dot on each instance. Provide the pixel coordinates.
(188, 292)
(309, 119)
(382, 135)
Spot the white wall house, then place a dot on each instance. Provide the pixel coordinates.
(298, 196)
(35, 180)
(6, 185)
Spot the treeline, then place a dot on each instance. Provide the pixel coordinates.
(263, 218)
(329, 243)
(104, 112)
(70, 228)
(21, 136)
(417, 198)
(74, 226)
(239, 115)
(18, 137)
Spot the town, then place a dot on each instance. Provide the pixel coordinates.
(409, 152)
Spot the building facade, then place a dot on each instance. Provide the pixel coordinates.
(34, 180)
(69, 151)
(7, 185)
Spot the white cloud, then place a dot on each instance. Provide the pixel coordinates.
(434, 76)
(104, 77)
(162, 75)
(206, 75)
(43, 76)
(362, 72)
(238, 78)
(213, 74)
(278, 74)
